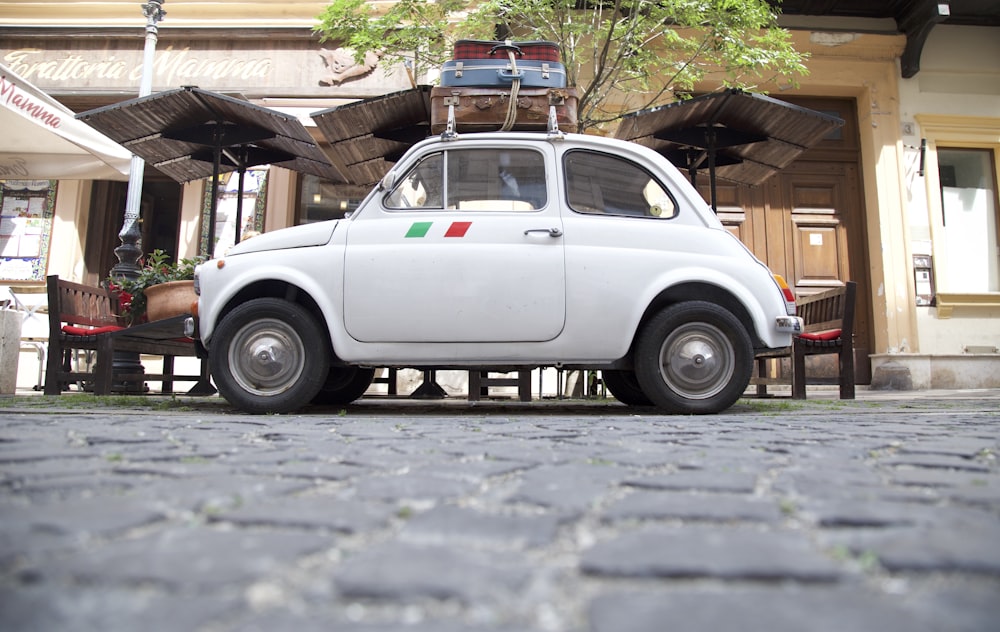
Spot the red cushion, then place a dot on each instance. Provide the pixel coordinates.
(830, 334)
(73, 330)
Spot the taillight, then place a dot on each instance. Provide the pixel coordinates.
(786, 292)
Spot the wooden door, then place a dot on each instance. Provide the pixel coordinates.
(807, 222)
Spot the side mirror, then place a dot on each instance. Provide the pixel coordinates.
(388, 181)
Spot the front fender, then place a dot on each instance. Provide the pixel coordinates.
(250, 276)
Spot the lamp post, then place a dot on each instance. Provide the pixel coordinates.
(129, 252)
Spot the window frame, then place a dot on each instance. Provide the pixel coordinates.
(956, 132)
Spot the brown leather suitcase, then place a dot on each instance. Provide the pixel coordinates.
(486, 109)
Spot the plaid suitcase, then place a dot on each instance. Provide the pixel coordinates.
(485, 109)
(486, 49)
(498, 72)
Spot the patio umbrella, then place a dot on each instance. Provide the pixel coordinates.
(190, 133)
(42, 140)
(370, 135)
(736, 135)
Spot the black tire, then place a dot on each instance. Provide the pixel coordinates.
(269, 356)
(694, 358)
(343, 385)
(625, 387)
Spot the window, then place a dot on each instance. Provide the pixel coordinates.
(421, 187)
(962, 162)
(603, 184)
(477, 180)
(969, 220)
(320, 199)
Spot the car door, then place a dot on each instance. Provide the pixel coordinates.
(467, 247)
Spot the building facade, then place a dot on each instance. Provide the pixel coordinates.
(903, 200)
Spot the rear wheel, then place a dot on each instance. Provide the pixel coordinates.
(625, 387)
(694, 358)
(269, 356)
(343, 385)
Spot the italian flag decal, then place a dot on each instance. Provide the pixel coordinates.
(420, 229)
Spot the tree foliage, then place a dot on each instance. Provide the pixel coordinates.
(623, 55)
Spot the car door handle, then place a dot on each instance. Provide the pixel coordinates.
(553, 232)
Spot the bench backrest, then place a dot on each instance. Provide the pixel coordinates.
(75, 304)
(829, 309)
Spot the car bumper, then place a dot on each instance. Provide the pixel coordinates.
(788, 324)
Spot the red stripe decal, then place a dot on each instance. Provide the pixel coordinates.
(458, 229)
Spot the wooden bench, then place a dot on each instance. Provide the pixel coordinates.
(83, 318)
(829, 329)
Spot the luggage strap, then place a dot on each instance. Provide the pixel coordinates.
(515, 86)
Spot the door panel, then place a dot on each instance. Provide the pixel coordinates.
(807, 222)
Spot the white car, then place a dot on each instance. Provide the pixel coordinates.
(499, 251)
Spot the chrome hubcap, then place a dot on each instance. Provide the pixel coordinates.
(266, 357)
(697, 361)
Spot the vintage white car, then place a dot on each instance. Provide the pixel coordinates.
(499, 251)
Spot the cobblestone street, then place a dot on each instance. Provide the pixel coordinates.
(881, 513)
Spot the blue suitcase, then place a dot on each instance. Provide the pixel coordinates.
(488, 73)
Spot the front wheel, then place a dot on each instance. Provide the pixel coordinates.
(269, 356)
(694, 358)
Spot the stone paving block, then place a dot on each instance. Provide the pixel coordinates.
(569, 488)
(216, 493)
(699, 480)
(192, 558)
(315, 512)
(852, 480)
(721, 507)
(643, 456)
(536, 453)
(275, 621)
(718, 552)
(471, 470)
(97, 609)
(964, 548)
(961, 447)
(18, 452)
(398, 571)
(310, 470)
(955, 603)
(945, 478)
(774, 609)
(98, 516)
(866, 513)
(449, 524)
(936, 461)
(412, 487)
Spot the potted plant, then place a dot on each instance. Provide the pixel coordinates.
(161, 290)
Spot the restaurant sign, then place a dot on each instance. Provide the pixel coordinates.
(294, 68)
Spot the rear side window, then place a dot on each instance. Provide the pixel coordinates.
(603, 184)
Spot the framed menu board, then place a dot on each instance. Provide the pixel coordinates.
(26, 211)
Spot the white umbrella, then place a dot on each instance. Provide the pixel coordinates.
(41, 139)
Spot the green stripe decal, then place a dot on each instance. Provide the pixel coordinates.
(419, 229)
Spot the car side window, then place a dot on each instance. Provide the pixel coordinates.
(477, 180)
(421, 187)
(496, 180)
(603, 184)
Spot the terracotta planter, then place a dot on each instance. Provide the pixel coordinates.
(167, 300)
